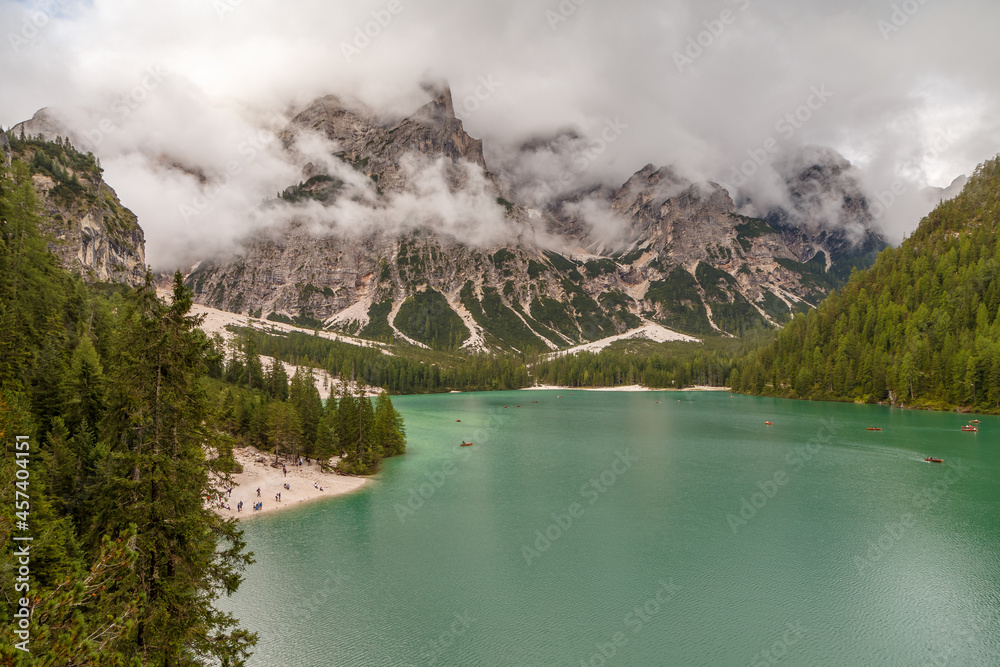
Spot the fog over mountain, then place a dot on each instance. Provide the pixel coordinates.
(183, 101)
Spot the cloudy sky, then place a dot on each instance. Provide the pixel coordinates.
(906, 90)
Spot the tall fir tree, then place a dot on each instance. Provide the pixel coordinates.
(328, 433)
(304, 395)
(389, 431)
(157, 478)
(277, 381)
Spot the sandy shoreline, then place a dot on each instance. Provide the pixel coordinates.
(305, 482)
(633, 387)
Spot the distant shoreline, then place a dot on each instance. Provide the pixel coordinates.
(629, 388)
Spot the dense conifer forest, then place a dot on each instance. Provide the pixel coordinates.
(918, 329)
(118, 417)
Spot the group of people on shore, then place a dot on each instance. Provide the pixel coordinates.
(256, 506)
(259, 505)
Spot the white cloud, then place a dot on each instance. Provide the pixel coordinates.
(228, 74)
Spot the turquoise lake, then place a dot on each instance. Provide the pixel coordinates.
(650, 528)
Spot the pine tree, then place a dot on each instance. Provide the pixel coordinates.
(85, 386)
(277, 381)
(304, 395)
(62, 464)
(251, 363)
(285, 428)
(368, 450)
(156, 479)
(347, 427)
(327, 435)
(389, 430)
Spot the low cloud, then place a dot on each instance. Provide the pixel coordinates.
(453, 199)
(227, 73)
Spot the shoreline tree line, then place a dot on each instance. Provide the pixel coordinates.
(266, 409)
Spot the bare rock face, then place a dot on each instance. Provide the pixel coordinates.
(43, 124)
(827, 211)
(89, 229)
(377, 148)
(682, 254)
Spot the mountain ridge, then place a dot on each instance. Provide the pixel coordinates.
(403, 232)
(691, 262)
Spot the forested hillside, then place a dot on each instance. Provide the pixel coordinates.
(117, 420)
(919, 329)
(125, 561)
(654, 365)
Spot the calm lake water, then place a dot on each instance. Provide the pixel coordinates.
(606, 528)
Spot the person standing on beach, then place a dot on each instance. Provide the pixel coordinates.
(258, 492)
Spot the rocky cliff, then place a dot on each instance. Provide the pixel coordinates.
(683, 256)
(91, 232)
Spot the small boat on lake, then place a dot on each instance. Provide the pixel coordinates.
(458, 420)
(970, 429)
(973, 421)
(769, 423)
(931, 459)
(873, 428)
(465, 444)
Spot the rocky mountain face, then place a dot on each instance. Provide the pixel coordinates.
(378, 149)
(91, 232)
(827, 211)
(684, 257)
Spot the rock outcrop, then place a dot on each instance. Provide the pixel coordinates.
(90, 230)
(683, 257)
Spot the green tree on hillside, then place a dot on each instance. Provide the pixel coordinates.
(285, 429)
(389, 430)
(327, 435)
(304, 395)
(156, 479)
(920, 328)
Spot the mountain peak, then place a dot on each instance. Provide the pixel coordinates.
(440, 109)
(44, 123)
